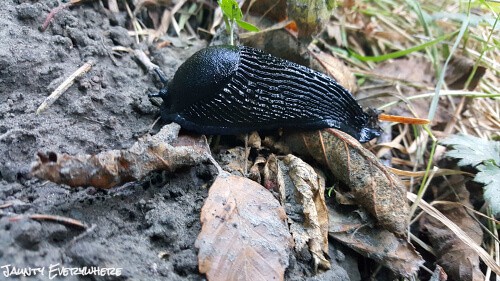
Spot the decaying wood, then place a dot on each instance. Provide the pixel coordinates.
(164, 151)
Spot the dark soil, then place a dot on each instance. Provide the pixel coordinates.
(147, 228)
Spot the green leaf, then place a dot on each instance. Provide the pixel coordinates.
(230, 9)
(248, 26)
(401, 53)
(472, 150)
(489, 175)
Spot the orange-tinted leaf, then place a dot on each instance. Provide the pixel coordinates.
(244, 234)
(371, 184)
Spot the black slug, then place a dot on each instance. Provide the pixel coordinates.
(227, 90)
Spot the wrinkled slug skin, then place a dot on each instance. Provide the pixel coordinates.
(227, 90)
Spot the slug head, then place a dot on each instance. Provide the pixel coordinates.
(163, 93)
(371, 129)
(202, 76)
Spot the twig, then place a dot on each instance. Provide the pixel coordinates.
(6, 205)
(63, 87)
(113, 6)
(51, 15)
(143, 58)
(59, 219)
(75, 239)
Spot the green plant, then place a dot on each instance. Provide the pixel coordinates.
(232, 14)
(484, 155)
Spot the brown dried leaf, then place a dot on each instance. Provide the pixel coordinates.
(308, 192)
(255, 171)
(164, 151)
(458, 259)
(335, 68)
(232, 160)
(458, 71)
(244, 234)
(371, 184)
(439, 274)
(354, 230)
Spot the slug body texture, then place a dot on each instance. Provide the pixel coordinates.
(227, 90)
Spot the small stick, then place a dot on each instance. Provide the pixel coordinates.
(58, 219)
(6, 205)
(63, 87)
(113, 6)
(403, 119)
(51, 15)
(143, 58)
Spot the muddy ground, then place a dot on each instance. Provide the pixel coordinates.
(147, 228)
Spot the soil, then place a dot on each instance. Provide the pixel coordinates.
(147, 228)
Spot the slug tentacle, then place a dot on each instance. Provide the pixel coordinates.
(162, 76)
(229, 90)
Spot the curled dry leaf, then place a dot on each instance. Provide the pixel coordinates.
(273, 177)
(438, 274)
(351, 228)
(371, 184)
(308, 194)
(458, 259)
(244, 234)
(164, 151)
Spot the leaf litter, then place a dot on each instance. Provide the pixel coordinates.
(371, 185)
(459, 259)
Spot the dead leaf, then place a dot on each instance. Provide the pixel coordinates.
(458, 71)
(333, 67)
(308, 194)
(458, 259)
(164, 151)
(232, 160)
(255, 171)
(371, 184)
(244, 234)
(356, 230)
(439, 274)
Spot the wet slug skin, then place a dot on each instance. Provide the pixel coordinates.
(225, 90)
